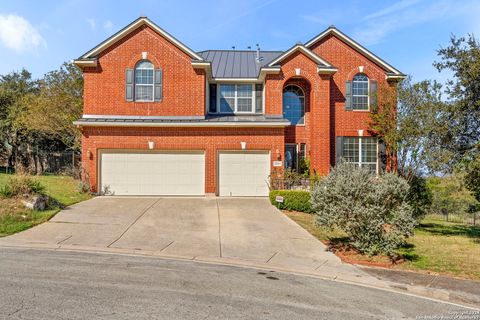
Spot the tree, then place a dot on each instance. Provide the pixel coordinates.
(13, 88)
(472, 178)
(373, 211)
(450, 195)
(462, 58)
(413, 128)
(58, 103)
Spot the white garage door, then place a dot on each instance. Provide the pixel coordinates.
(153, 173)
(243, 173)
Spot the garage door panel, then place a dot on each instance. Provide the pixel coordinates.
(153, 173)
(244, 173)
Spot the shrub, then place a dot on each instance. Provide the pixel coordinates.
(5, 191)
(20, 184)
(419, 197)
(373, 211)
(293, 200)
(84, 187)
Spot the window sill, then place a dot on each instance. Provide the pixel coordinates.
(297, 125)
(233, 113)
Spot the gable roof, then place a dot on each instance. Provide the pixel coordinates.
(93, 53)
(238, 63)
(304, 50)
(232, 64)
(355, 45)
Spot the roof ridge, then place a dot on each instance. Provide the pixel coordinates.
(230, 50)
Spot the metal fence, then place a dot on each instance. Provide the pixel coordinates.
(471, 218)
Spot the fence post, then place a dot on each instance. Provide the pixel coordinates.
(73, 162)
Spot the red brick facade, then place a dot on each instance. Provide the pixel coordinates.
(209, 140)
(185, 92)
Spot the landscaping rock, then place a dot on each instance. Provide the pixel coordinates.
(36, 202)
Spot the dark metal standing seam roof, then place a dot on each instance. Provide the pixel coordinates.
(238, 63)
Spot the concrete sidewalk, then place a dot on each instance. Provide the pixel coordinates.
(446, 288)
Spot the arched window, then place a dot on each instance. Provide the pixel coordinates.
(294, 104)
(360, 92)
(144, 84)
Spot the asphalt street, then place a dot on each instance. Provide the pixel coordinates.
(47, 284)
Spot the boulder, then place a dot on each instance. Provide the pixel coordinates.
(36, 202)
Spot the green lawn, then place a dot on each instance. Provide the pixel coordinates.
(14, 217)
(437, 246)
(444, 247)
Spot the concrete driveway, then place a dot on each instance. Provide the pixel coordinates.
(242, 231)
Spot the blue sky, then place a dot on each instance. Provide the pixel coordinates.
(40, 35)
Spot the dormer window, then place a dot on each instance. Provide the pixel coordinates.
(144, 83)
(236, 98)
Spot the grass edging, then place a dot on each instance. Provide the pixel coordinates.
(437, 247)
(62, 192)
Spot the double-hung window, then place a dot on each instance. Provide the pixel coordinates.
(361, 151)
(360, 99)
(236, 98)
(144, 84)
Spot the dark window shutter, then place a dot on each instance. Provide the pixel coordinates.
(129, 84)
(158, 85)
(212, 107)
(338, 149)
(382, 156)
(348, 95)
(373, 96)
(259, 98)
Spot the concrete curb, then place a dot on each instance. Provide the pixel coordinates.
(434, 294)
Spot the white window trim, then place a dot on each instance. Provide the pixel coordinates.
(236, 99)
(360, 159)
(143, 85)
(368, 97)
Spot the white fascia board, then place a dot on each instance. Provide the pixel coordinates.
(279, 124)
(201, 64)
(85, 63)
(326, 70)
(272, 70)
(395, 77)
(304, 50)
(354, 45)
(134, 26)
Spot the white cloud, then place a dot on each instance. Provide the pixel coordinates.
(108, 25)
(404, 14)
(16, 33)
(391, 9)
(92, 24)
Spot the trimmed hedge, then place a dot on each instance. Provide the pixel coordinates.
(293, 200)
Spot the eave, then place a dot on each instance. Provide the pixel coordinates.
(270, 124)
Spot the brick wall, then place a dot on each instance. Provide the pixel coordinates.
(211, 140)
(316, 131)
(183, 86)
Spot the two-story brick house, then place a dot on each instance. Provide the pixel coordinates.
(162, 119)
